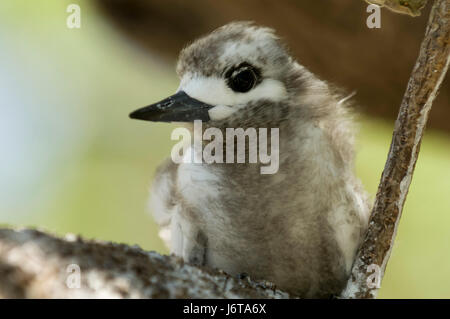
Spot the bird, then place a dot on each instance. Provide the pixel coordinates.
(298, 228)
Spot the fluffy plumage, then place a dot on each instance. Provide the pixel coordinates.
(298, 228)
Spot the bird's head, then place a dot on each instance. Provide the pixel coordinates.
(236, 72)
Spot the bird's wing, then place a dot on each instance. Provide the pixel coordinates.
(182, 237)
(162, 198)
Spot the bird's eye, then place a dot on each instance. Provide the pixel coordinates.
(243, 78)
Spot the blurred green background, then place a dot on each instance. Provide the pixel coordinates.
(72, 161)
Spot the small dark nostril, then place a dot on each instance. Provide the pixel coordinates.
(165, 104)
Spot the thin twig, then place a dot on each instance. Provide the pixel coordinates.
(426, 78)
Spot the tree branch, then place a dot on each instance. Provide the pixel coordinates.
(37, 265)
(423, 86)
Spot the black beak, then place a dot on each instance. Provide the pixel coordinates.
(179, 107)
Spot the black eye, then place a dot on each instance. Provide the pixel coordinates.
(243, 78)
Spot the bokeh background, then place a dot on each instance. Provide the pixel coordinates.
(72, 161)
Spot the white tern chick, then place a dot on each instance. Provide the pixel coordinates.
(299, 227)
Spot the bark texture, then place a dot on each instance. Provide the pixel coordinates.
(34, 264)
(423, 86)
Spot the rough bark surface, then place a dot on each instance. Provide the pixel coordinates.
(423, 86)
(34, 264)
